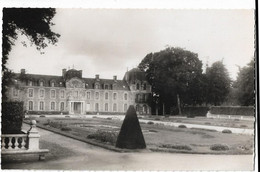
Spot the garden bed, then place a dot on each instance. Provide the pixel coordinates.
(103, 132)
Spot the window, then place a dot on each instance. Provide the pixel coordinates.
(106, 96)
(88, 95)
(96, 107)
(106, 107)
(41, 93)
(145, 109)
(15, 92)
(137, 108)
(52, 84)
(144, 86)
(137, 86)
(125, 107)
(62, 106)
(114, 107)
(52, 105)
(53, 93)
(30, 92)
(41, 105)
(30, 105)
(30, 83)
(62, 94)
(125, 96)
(106, 87)
(114, 96)
(41, 83)
(97, 95)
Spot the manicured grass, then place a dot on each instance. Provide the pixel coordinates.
(157, 137)
(234, 123)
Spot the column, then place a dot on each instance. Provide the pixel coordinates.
(72, 107)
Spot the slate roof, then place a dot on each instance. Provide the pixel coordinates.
(60, 81)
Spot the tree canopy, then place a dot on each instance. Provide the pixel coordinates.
(35, 24)
(244, 84)
(218, 83)
(172, 73)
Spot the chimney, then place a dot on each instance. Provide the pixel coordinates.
(22, 71)
(80, 72)
(63, 72)
(115, 78)
(97, 77)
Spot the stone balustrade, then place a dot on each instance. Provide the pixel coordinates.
(14, 141)
(27, 143)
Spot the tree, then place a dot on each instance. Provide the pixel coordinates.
(218, 83)
(34, 23)
(245, 85)
(171, 73)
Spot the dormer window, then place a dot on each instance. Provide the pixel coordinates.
(52, 84)
(30, 83)
(114, 87)
(97, 86)
(144, 86)
(106, 87)
(41, 83)
(137, 86)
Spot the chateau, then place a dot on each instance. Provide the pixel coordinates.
(70, 93)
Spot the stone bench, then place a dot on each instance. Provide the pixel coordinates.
(28, 143)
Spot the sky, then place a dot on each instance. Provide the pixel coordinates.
(109, 42)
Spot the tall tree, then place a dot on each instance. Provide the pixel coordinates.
(34, 23)
(245, 85)
(218, 83)
(171, 73)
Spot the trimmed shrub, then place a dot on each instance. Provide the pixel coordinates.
(233, 110)
(104, 136)
(150, 122)
(182, 126)
(207, 123)
(130, 135)
(243, 126)
(227, 131)
(178, 147)
(47, 112)
(157, 119)
(65, 129)
(219, 147)
(12, 117)
(42, 116)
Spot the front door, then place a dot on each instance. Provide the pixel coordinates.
(77, 107)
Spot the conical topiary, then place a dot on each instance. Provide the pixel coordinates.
(130, 135)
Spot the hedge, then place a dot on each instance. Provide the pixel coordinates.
(233, 110)
(12, 117)
(192, 111)
(47, 112)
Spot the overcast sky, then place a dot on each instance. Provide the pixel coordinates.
(107, 42)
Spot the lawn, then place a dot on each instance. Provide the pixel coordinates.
(234, 123)
(157, 137)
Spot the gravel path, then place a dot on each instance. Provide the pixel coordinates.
(69, 154)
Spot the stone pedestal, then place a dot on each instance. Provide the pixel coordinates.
(33, 137)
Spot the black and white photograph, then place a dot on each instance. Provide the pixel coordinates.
(149, 88)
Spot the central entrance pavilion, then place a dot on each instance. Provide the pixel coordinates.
(76, 107)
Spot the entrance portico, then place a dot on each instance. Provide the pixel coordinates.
(76, 107)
